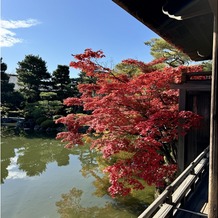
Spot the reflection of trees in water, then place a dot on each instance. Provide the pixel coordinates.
(33, 154)
(7, 152)
(70, 207)
(92, 165)
(70, 203)
(62, 157)
(36, 156)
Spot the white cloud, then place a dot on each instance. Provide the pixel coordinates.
(16, 175)
(8, 37)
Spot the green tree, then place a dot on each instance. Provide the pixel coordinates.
(50, 106)
(162, 49)
(10, 99)
(47, 107)
(32, 77)
(123, 68)
(207, 65)
(61, 82)
(6, 87)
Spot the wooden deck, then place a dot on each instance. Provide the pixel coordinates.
(205, 209)
(186, 195)
(196, 204)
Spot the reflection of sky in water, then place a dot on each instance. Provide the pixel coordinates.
(36, 195)
(13, 170)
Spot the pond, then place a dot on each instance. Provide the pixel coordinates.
(42, 179)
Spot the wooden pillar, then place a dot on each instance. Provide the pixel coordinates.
(213, 163)
(181, 142)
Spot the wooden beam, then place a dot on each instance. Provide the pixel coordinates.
(193, 86)
(213, 164)
(213, 6)
(181, 141)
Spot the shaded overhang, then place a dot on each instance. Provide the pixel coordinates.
(186, 24)
(192, 27)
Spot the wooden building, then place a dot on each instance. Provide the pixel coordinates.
(191, 26)
(194, 95)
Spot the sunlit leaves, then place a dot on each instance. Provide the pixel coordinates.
(134, 115)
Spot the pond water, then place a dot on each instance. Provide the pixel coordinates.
(42, 179)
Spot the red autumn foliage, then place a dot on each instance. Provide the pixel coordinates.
(136, 120)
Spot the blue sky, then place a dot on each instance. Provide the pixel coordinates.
(55, 29)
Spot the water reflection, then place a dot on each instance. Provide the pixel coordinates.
(36, 158)
(31, 155)
(7, 153)
(13, 171)
(70, 206)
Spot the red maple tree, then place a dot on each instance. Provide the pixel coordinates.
(134, 122)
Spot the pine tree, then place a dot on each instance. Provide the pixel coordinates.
(32, 77)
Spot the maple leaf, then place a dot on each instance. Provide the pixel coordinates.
(137, 116)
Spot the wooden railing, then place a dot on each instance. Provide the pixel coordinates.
(176, 193)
